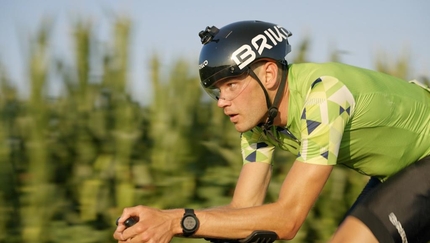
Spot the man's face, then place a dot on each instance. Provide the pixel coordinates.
(243, 100)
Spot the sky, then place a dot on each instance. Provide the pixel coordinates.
(360, 29)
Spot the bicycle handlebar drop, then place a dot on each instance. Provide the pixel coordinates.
(258, 236)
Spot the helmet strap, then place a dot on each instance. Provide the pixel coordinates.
(273, 107)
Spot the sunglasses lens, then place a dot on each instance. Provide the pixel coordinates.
(229, 89)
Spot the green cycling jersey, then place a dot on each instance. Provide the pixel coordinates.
(374, 123)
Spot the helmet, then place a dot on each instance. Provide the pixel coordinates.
(228, 52)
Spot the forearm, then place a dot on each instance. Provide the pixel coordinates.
(227, 222)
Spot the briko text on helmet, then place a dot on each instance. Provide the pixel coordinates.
(245, 54)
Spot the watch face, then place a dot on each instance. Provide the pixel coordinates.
(189, 223)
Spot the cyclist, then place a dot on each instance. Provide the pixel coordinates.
(327, 114)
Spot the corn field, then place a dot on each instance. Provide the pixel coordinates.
(70, 164)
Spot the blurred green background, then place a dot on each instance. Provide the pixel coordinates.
(71, 163)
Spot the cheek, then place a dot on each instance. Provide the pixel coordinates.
(258, 109)
(255, 104)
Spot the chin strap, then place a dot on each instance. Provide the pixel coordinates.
(273, 107)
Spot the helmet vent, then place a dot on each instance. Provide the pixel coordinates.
(208, 34)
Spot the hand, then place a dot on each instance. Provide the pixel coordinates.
(154, 226)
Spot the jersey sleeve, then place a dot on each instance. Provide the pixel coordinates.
(255, 148)
(327, 109)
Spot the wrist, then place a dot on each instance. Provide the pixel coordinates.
(175, 225)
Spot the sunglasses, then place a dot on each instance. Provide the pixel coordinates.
(230, 88)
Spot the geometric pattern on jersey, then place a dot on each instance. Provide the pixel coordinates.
(255, 147)
(258, 146)
(327, 109)
(254, 155)
(388, 121)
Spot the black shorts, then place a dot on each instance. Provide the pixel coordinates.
(398, 210)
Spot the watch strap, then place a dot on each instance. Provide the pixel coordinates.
(189, 211)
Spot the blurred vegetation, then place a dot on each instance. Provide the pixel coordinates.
(69, 165)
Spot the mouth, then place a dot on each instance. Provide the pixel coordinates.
(233, 117)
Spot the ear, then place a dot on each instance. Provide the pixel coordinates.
(271, 75)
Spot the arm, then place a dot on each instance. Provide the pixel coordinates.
(252, 185)
(300, 189)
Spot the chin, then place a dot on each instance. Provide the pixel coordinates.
(242, 129)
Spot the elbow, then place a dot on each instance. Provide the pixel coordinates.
(289, 219)
(288, 231)
(288, 227)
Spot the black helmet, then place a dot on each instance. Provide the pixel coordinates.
(228, 52)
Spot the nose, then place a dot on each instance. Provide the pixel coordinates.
(221, 103)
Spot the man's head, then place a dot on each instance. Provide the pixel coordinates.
(243, 99)
(232, 53)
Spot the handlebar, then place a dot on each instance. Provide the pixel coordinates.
(258, 236)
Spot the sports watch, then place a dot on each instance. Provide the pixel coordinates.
(189, 222)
